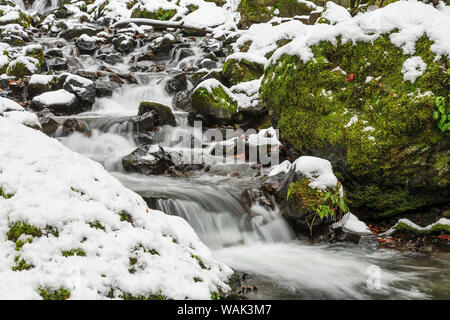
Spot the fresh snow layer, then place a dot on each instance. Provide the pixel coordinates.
(319, 172)
(281, 168)
(352, 224)
(53, 186)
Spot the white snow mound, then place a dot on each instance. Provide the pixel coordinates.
(75, 203)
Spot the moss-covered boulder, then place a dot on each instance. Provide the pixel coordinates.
(376, 113)
(162, 114)
(16, 17)
(213, 104)
(236, 70)
(311, 196)
(259, 11)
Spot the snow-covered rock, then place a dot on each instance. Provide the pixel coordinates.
(69, 229)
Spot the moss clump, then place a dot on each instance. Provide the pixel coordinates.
(74, 252)
(5, 195)
(49, 294)
(259, 11)
(214, 105)
(35, 52)
(237, 71)
(127, 296)
(436, 229)
(351, 105)
(160, 14)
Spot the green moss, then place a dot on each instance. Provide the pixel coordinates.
(74, 252)
(237, 71)
(49, 294)
(215, 296)
(435, 229)
(200, 261)
(160, 14)
(259, 11)
(18, 70)
(21, 243)
(5, 195)
(387, 166)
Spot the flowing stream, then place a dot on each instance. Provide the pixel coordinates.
(259, 243)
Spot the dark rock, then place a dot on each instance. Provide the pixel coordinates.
(70, 126)
(182, 100)
(184, 53)
(113, 58)
(163, 114)
(149, 159)
(176, 84)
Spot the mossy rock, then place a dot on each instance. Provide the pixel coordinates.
(259, 11)
(213, 106)
(378, 130)
(36, 52)
(23, 19)
(160, 14)
(163, 114)
(237, 71)
(218, 3)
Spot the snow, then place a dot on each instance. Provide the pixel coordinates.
(50, 98)
(319, 172)
(247, 56)
(352, 224)
(265, 137)
(281, 168)
(53, 186)
(208, 17)
(413, 68)
(247, 93)
(411, 224)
